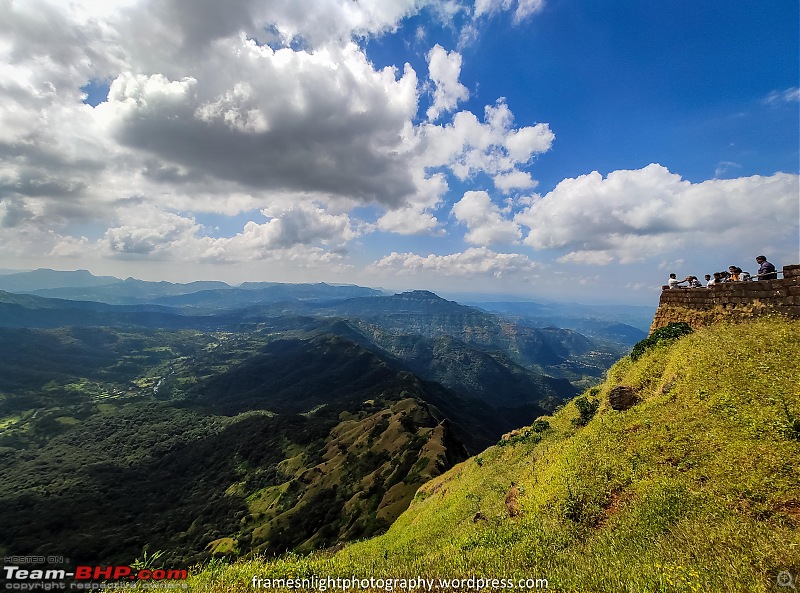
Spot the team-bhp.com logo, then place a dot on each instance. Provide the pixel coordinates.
(18, 578)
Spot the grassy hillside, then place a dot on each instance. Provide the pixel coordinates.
(694, 488)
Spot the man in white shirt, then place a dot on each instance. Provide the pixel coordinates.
(673, 281)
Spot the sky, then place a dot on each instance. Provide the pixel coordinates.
(559, 149)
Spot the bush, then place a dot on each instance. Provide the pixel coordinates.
(671, 331)
(540, 425)
(586, 408)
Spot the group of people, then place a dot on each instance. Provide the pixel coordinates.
(766, 271)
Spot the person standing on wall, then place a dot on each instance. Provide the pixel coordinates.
(673, 281)
(766, 271)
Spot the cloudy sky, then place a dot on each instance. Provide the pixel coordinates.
(549, 148)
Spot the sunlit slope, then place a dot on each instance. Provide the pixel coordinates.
(695, 488)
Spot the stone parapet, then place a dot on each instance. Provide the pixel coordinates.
(791, 271)
(730, 301)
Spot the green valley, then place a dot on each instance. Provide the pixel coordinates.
(693, 488)
(289, 433)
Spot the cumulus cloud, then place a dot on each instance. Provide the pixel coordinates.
(505, 182)
(444, 69)
(474, 262)
(408, 221)
(650, 211)
(212, 110)
(303, 228)
(299, 225)
(251, 106)
(336, 127)
(148, 232)
(484, 220)
(13, 213)
(467, 146)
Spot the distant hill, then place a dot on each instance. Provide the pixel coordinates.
(673, 475)
(30, 311)
(49, 279)
(558, 352)
(128, 292)
(624, 324)
(554, 351)
(295, 375)
(637, 316)
(81, 285)
(262, 292)
(489, 376)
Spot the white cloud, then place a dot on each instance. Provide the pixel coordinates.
(631, 215)
(592, 258)
(466, 146)
(202, 116)
(298, 225)
(324, 123)
(484, 7)
(505, 182)
(303, 228)
(444, 69)
(790, 95)
(724, 166)
(408, 221)
(474, 262)
(484, 220)
(148, 232)
(417, 217)
(526, 8)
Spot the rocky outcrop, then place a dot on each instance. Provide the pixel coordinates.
(622, 397)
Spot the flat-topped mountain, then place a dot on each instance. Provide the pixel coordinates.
(81, 285)
(43, 278)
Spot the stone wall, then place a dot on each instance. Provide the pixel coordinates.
(730, 301)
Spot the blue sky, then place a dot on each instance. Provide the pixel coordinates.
(624, 84)
(545, 148)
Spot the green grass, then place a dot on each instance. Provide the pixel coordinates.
(696, 488)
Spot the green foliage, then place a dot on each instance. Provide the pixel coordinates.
(587, 408)
(146, 561)
(671, 331)
(136, 422)
(792, 427)
(540, 425)
(528, 436)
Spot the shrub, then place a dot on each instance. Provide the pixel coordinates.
(671, 331)
(586, 408)
(529, 436)
(540, 425)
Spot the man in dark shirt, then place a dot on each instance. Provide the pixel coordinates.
(766, 271)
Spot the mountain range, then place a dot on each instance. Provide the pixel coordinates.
(262, 418)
